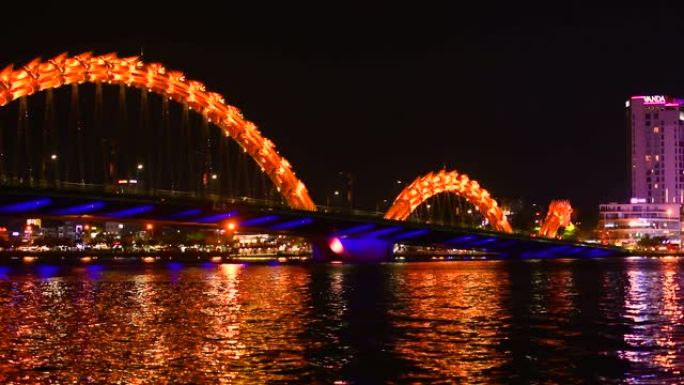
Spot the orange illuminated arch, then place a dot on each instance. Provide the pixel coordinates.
(424, 187)
(131, 71)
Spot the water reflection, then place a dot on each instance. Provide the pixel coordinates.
(454, 320)
(653, 311)
(568, 321)
(211, 326)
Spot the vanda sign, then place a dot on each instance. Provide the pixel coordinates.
(655, 99)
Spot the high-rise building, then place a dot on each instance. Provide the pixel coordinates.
(656, 147)
(656, 138)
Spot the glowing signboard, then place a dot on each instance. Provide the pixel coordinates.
(655, 99)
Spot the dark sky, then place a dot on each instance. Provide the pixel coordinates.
(527, 99)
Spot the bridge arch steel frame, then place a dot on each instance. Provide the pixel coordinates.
(39, 75)
(426, 186)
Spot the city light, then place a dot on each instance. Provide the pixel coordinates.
(336, 246)
(53, 156)
(149, 227)
(140, 166)
(231, 226)
(214, 176)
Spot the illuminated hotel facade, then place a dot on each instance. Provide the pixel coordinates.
(624, 224)
(656, 139)
(656, 142)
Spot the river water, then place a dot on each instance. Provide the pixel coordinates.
(563, 321)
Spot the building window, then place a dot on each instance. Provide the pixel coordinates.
(656, 130)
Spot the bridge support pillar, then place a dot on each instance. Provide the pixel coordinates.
(353, 250)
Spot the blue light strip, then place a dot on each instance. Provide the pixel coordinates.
(483, 242)
(80, 209)
(185, 214)
(381, 232)
(25, 206)
(259, 220)
(462, 239)
(292, 224)
(556, 251)
(410, 234)
(597, 253)
(353, 230)
(506, 244)
(130, 212)
(577, 249)
(218, 217)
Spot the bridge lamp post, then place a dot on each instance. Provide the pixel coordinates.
(53, 158)
(138, 171)
(336, 199)
(230, 231)
(149, 229)
(213, 184)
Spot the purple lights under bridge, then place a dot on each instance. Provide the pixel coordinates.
(352, 237)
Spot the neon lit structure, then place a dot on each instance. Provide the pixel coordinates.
(426, 186)
(558, 216)
(62, 70)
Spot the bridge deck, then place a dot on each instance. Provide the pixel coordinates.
(258, 217)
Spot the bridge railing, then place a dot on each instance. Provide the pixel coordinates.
(139, 190)
(142, 191)
(217, 200)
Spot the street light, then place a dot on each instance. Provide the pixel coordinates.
(53, 157)
(140, 166)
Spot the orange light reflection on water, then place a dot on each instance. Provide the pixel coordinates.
(456, 321)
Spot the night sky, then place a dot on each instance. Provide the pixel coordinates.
(529, 100)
